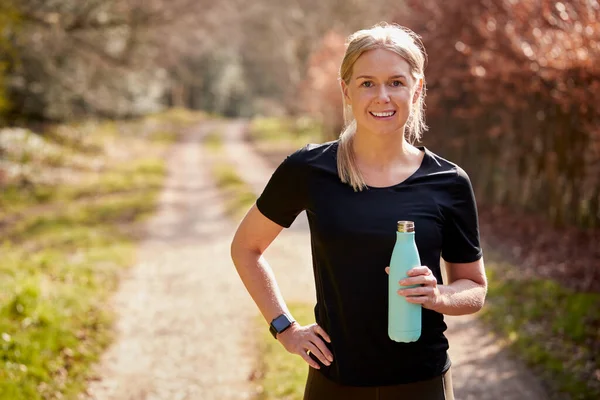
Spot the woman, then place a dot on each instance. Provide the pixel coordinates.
(355, 190)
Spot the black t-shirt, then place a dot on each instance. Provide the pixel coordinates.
(352, 237)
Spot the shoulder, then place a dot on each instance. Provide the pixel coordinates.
(313, 155)
(442, 167)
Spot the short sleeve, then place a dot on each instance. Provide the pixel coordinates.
(461, 224)
(284, 197)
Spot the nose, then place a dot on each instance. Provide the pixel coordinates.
(382, 94)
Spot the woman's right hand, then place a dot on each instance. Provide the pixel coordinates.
(300, 340)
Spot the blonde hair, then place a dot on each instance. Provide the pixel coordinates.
(407, 45)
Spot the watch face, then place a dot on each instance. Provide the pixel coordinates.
(281, 323)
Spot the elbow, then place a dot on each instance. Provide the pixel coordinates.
(241, 253)
(480, 301)
(236, 251)
(233, 249)
(478, 306)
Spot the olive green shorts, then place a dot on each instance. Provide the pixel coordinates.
(318, 387)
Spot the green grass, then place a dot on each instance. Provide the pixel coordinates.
(285, 132)
(281, 375)
(137, 175)
(214, 141)
(555, 330)
(180, 117)
(237, 194)
(59, 265)
(76, 148)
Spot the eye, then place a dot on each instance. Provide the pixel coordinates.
(397, 83)
(367, 84)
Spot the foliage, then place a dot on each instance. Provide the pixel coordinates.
(123, 58)
(511, 88)
(102, 58)
(9, 24)
(322, 95)
(511, 94)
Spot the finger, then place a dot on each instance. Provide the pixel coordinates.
(323, 347)
(322, 333)
(387, 270)
(309, 360)
(418, 291)
(417, 299)
(418, 280)
(317, 352)
(421, 270)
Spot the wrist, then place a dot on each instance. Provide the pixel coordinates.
(289, 330)
(443, 299)
(280, 324)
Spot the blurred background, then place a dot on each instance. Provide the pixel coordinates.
(94, 93)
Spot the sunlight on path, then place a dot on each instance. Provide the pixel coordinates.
(183, 311)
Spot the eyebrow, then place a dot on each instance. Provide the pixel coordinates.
(372, 77)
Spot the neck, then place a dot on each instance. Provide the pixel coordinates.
(382, 150)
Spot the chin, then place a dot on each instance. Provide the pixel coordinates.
(386, 131)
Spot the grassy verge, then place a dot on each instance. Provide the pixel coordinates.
(555, 330)
(237, 194)
(275, 138)
(213, 142)
(65, 161)
(285, 131)
(281, 375)
(62, 253)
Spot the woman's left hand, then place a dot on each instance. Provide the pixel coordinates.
(427, 293)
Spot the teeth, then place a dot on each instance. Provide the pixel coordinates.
(385, 114)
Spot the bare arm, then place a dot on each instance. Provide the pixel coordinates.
(255, 233)
(464, 294)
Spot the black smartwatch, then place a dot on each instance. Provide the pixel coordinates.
(280, 324)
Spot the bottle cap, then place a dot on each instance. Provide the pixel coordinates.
(406, 226)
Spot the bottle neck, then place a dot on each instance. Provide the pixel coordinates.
(405, 235)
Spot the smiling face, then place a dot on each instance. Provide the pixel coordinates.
(381, 92)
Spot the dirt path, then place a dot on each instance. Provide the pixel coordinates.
(183, 312)
(184, 315)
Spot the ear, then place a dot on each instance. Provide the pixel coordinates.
(418, 90)
(345, 91)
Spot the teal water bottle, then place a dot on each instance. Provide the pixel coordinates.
(404, 318)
